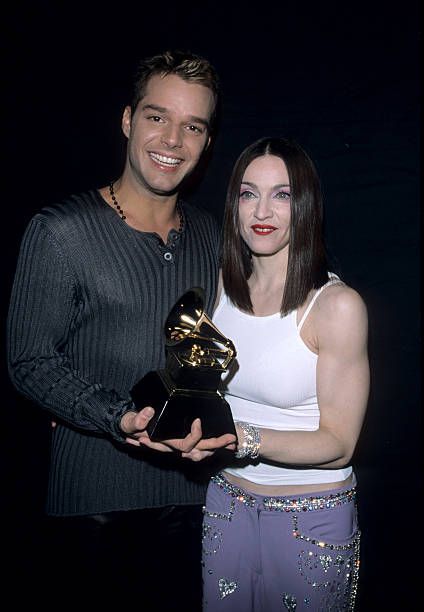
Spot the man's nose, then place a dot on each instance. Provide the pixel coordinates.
(171, 136)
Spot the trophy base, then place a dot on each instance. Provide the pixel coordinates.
(176, 408)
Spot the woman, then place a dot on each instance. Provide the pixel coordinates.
(280, 524)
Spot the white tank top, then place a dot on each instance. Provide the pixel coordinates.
(272, 384)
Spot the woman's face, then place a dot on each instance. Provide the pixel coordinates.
(264, 206)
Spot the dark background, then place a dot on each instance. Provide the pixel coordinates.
(344, 80)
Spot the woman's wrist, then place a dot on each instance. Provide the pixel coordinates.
(250, 443)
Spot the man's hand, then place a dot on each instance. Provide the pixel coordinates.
(134, 424)
(193, 446)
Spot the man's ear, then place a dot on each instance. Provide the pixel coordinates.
(126, 121)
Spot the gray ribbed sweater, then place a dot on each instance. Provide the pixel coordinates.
(85, 323)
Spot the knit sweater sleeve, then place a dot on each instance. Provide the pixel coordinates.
(43, 306)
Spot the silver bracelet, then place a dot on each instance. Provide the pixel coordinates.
(251, 441)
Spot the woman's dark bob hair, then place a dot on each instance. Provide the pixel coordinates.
(307, 261)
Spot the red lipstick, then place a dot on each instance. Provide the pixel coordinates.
(263, 230)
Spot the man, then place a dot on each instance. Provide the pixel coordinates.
(96, 277)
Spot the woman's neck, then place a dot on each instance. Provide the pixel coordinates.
(266, 283)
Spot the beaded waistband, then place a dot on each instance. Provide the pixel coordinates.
(286, 504)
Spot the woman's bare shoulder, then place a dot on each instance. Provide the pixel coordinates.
(340, 304)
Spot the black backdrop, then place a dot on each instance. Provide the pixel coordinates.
(343, 79)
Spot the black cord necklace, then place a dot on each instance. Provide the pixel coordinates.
(122, 214)
(115, 202)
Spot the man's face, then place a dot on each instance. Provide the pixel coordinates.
(168, 132)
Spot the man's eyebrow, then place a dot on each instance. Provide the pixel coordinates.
(159, 109)
(162, 109)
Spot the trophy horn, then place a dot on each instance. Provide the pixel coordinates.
(188, 319)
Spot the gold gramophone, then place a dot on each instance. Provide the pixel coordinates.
(187, 388)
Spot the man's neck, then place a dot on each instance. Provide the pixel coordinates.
(144, 211)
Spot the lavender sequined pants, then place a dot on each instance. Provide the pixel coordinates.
(269, 554)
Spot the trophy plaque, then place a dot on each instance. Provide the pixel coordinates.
(197, 354)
